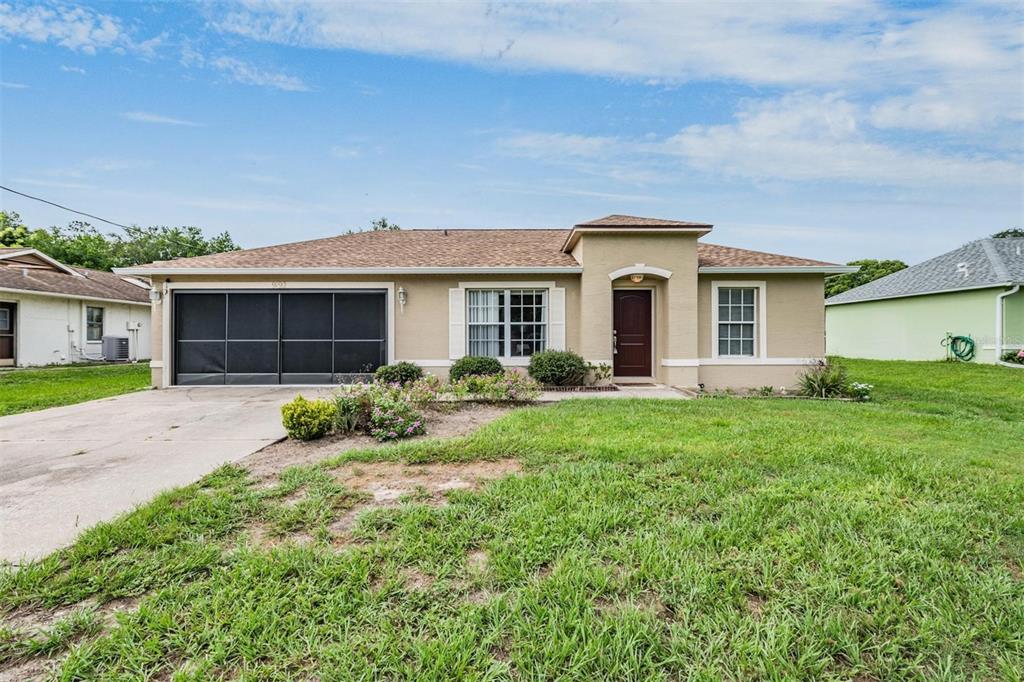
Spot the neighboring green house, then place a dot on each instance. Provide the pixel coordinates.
(976, 291)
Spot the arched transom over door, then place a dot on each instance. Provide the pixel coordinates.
(632, 332)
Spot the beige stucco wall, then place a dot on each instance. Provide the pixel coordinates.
(795, 319)
(421, 329)
(675, 297)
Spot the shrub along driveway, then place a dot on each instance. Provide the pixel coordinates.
(67, 468)
(632, 539)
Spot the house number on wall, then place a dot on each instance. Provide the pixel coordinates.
(279, 285)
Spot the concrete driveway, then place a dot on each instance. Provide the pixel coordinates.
(67, 468)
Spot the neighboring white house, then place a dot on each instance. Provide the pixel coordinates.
(53, 313)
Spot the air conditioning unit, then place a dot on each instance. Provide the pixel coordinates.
(115, 348)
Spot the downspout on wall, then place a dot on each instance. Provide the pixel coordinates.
(1000, 300)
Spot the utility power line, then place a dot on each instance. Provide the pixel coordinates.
(66, 208)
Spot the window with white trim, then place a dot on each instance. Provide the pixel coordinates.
(506, 323)
(737, 318)
(93, 323)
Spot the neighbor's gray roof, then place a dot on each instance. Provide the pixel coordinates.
(979, 264)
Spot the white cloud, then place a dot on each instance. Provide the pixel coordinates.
(340, 152)
(243, 72)
(796, 138)
(76, 28)
(818, 138)
(72, 69)
(147, 117)
(13, 86)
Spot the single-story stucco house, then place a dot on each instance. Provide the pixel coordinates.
(642, 295)
(975, 291)
(52, 313)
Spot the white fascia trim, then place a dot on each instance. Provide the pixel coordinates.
(52, 261)
(639, 268)
(829, 302)
(29, 292)
(284, 272)
(779, 269)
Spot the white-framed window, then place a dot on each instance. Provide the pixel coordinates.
(93, 323)
(506, 323)
(737, 321)
(5, 320)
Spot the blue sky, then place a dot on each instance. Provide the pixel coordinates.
(831, 130)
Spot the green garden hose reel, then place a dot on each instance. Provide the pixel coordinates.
(959, 347)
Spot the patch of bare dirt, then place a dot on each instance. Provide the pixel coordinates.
(387, 484)
(444, 423)
(755, 605)
(33, 622)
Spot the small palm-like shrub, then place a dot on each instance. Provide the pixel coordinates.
(558, 368)
(398, 373)
(474, 365)
(308, 419)
(351, 412)
(826, 380)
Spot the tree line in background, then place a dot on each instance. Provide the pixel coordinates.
(82, 245)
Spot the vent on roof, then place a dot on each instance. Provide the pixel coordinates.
(963, 270)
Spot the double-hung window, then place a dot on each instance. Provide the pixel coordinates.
(506, 323)
(737, 319)
(93, 323)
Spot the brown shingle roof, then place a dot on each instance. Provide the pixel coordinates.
(713, 255)
(401, 249)
(618, 220)
(522, 248)
(95, 283)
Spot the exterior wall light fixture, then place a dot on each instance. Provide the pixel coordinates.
(637, 278)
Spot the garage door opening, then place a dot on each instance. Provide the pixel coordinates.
(257, 338)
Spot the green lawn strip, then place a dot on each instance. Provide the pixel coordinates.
(727, 538)
(25, 390)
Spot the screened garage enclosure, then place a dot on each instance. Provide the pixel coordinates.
(269, 337)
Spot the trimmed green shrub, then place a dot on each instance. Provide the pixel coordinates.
(398, 373)
(391, 419)
(308, 419)
(558, 368)
(474, 365)
(826, 380)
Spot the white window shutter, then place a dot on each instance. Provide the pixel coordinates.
(456, 323)
(556, 323)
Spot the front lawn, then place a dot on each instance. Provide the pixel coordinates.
(709, 539)
(24, 390)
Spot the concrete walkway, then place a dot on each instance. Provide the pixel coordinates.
(65, 469)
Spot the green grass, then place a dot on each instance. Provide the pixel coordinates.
(707, 539)
(25, 390)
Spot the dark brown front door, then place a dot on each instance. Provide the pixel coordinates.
(7, 323)
(632, 330)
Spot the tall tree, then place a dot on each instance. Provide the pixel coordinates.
(870, 270)
(83, 245)
(12, 231)
(1006, 234)
(382, 225)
